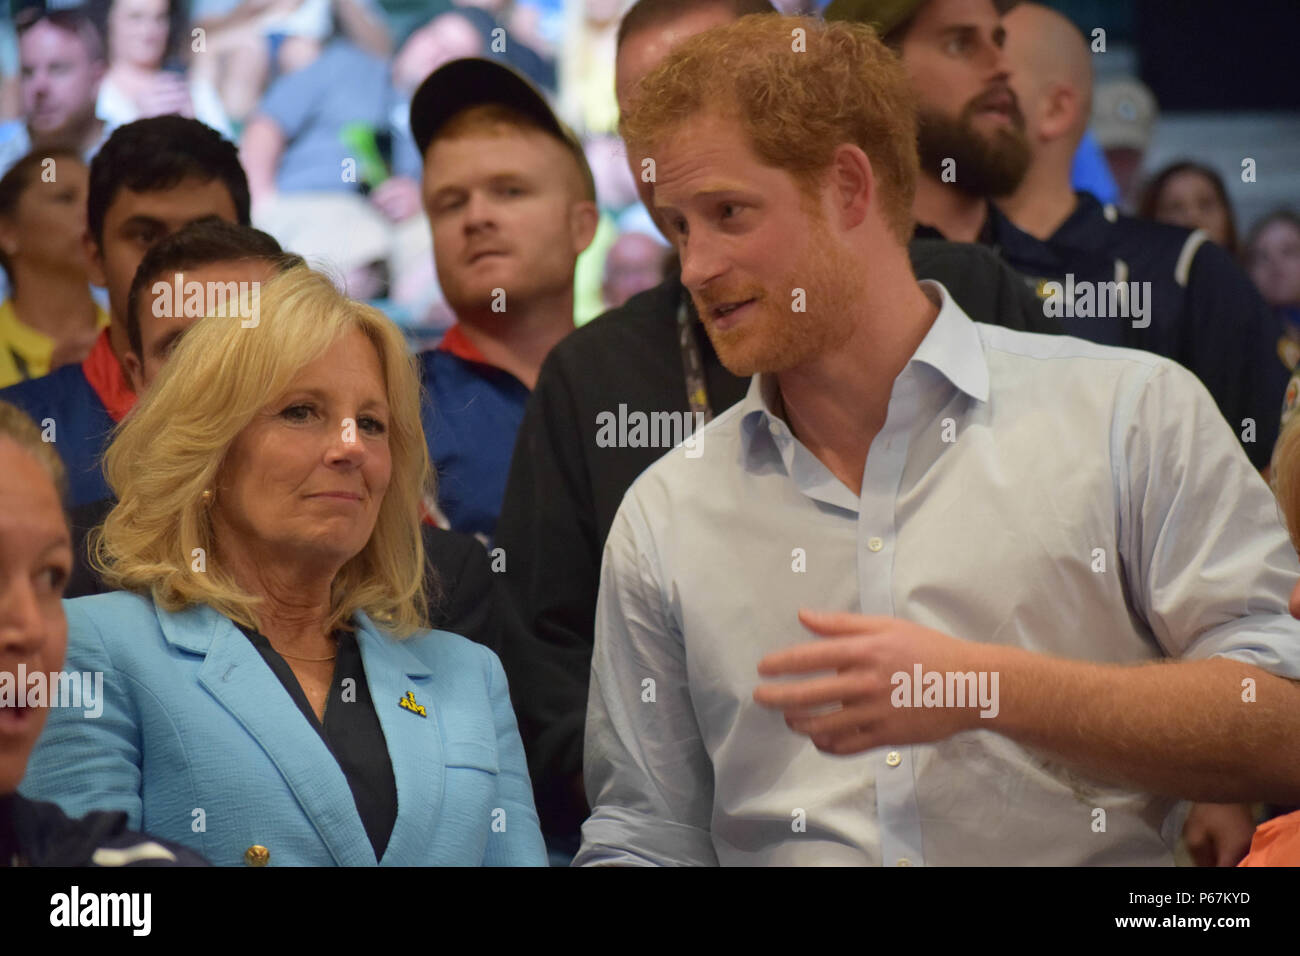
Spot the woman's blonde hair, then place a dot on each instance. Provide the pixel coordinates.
(170, 449)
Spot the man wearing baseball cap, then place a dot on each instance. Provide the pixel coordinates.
(970, 131)
(511, 204)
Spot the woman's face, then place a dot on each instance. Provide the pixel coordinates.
(1190, 200)
(137, 32)
(1275, 264)
(50, 217)
(303, 482)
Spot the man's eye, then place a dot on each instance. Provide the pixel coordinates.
(729, 209)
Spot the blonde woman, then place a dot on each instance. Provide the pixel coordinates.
(271, 694)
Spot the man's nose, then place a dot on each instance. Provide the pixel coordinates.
(479, 211)
(700, 264)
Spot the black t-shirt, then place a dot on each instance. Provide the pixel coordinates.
(350, 730)
(34, 833)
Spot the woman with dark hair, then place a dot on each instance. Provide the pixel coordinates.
(1272, 258)
(145, 77)
(49, 318)
(1191, 195)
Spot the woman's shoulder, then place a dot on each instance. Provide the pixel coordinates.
(112, 604)
(438, 649)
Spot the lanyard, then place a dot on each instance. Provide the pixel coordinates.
(697, 392)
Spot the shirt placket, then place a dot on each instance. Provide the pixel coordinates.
(897, 814)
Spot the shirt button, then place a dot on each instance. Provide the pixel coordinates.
(875, 544)
(774, 426)
(257, 855)
(904, 861)
(893, 758)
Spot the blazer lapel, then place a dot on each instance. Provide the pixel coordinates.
(236, 675)
(414, 741)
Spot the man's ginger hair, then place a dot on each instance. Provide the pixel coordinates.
(796, 95)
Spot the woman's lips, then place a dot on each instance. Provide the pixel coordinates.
(14, 721)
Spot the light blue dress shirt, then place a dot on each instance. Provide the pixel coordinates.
(1036, 491)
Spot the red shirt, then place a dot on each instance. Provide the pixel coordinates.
(105, 374)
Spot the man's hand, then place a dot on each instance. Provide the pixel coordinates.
(1219, 834)
(397, 198)
(852, 710)
(166, 93)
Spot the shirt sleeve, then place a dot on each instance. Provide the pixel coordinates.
(1207, 558)
(88, 758)
(518, 841)
(647, 773)
(293, 99)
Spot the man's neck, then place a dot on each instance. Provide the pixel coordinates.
(81, 137)
(957, 215)
(1042, 203)
(58, 307)
(519, 339)
(837, 403)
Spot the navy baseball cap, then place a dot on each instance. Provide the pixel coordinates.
(461, 84)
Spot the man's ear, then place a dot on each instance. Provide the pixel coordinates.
(94, 260)
(853, 184)
(8, 237)
(584, 218)
(1061, 113)
(134, 367)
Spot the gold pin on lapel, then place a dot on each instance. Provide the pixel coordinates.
(409, 703)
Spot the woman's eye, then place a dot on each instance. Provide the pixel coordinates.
(54, 577)
(373, 425)
(297, 413)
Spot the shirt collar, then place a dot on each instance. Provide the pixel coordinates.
(105, 375)
(455, 341)
(952, 347)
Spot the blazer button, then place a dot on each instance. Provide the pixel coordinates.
(257, 855)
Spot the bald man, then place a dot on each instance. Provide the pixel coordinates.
(1117, 280)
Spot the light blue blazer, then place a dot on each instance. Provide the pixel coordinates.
(200, 743)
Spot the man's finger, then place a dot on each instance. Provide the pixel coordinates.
(796, 695)
(846, 721)
(841, 624)
(808, 658)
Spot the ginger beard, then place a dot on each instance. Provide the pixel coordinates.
(775, 337)
(985, 164)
